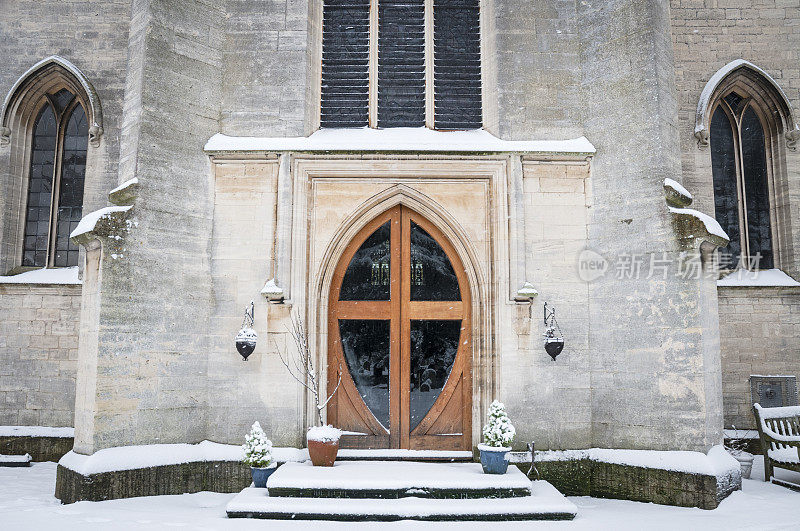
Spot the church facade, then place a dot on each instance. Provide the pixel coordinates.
(430, 190)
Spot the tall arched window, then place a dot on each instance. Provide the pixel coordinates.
(50, 121)
(741, 182)
(750, 125)
(55, 183)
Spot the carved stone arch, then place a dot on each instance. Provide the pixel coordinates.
(755, 83)
(27, 93)
(401, 194)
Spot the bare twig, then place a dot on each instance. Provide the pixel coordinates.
(303, 371)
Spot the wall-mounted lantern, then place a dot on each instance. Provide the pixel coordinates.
(553, 340)
(246, 338)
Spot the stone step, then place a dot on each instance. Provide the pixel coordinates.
(405, 455)
(15, 460)
(392, 479)
(544, 503)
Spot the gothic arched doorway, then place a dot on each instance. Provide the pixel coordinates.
(399, 329)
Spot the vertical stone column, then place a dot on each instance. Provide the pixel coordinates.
(654, 356)
(149, 364)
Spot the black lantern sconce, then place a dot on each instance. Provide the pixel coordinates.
(246, 338)
(553, 340)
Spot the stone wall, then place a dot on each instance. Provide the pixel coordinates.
(653, 359)
(38, 354)
(641, 367)
(242, 252)
(266, 69)
(588, 477)
(146, 381)
(550, 400)
(536, 56)
(759, 331)
(40, 448)
(213, 476)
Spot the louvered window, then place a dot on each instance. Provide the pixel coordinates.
(345, 63)
(457, 64)
(401, 63)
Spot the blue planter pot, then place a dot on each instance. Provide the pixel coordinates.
(260, 476)
(494, 460)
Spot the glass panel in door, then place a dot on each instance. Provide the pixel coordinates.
(365, 344)
(434, 345)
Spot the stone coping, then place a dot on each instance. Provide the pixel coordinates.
(580, 473)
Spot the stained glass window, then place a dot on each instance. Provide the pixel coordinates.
(741, 190)
(55, 185)
(726, 200)
(754, 169)
(40, 189)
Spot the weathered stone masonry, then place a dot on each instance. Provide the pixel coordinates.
(38, 354)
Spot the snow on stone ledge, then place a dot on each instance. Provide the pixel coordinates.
(716, 463)
(150, 455)
(397, 139)
(712, 226)
(766, 278)
(15, 458)
(124, 185)
(35, 431)
(89, 221)
(678, 187)
(56, 275)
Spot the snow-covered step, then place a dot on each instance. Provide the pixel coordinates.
(544, 503)
(393, 479)
(15, 460)
(395, 454)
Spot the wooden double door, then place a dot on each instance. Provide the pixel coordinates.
(399, 336)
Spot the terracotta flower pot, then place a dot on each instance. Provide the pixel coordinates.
(323, 453)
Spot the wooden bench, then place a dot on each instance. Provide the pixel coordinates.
(779, 430)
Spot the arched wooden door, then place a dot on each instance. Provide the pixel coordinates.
(399, 330)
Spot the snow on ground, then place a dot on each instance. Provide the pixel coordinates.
(27, 502)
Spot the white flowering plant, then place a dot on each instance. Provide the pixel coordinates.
(499, 432)
(257, 448)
